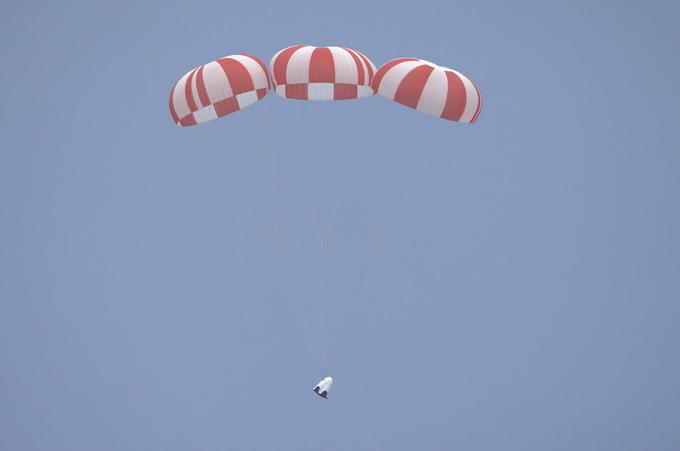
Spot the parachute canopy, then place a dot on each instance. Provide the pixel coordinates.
(321, 73)
(218, 88)
(429, 88)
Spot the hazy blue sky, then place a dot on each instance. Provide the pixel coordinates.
(512, 285)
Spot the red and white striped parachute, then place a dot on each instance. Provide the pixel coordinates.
(321, 73)
(429, 88)
(218, 88)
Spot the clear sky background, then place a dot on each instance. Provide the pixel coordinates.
(511, 285)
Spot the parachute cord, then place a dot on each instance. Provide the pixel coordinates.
(276, 247)
(275, 202)
(322, 235)
(324, 272)
(324, 275)
(324, 311)
(315, 223)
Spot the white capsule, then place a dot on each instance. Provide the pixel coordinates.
(323, 387)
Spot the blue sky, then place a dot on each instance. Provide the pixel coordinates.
(508, 285)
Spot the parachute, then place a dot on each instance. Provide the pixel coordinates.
(304, 72)
(218, 88)
(429, 88)
(321, 73)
